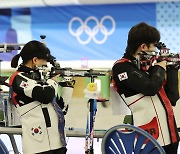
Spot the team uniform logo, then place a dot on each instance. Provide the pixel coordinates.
(23, 84)
(92, 30)
(36, 132)
(123, 76)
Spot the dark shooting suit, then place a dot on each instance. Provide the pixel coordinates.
(149, 97)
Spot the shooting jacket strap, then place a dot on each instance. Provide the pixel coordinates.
(12, 78)
(12, 93)
(170, 114)
(61, 122)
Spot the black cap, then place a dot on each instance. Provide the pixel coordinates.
(30, 50)
(49, 57)
(35, 49)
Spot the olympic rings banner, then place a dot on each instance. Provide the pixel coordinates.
(93, 32)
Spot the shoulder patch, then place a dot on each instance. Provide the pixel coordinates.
(123, 76)
(23, 84)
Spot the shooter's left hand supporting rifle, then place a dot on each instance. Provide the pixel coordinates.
(147, 59)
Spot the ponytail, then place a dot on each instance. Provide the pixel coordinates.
(14, 61)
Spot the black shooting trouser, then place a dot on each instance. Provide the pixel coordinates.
(57, 151)
(171, 148)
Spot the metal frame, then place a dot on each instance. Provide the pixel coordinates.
(70, 132)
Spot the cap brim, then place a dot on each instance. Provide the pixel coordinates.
(50, 58)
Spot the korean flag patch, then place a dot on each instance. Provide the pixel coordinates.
(23, 84)
(123, 76)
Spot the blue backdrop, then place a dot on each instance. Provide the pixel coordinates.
(61, 28)
(94, 32)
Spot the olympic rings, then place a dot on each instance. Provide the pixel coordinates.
(91, 32)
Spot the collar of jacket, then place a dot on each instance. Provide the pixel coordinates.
(23, 68)
(132, 59)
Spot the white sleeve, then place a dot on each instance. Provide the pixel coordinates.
(66, 94)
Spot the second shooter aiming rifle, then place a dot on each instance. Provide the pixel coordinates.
(147, 59)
